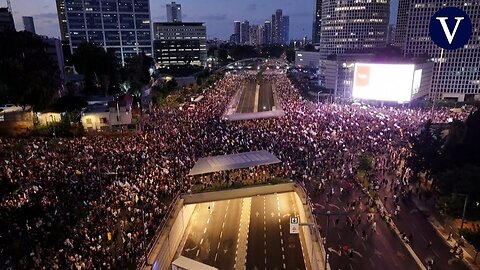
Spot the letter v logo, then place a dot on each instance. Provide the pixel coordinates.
(443, 21)
(450, 28)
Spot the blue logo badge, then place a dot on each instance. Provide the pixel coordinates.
(450, 28)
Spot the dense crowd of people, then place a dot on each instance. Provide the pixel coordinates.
(95, 202)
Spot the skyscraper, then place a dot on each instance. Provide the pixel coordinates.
(402, 20)
(174, 12)
(28, 24)
(245, 32)
(6, 20)
(62, 20)
(267, 32)
(119, 25)
(456, 74)
(286, 29)
(236, 31)
(353, 26)
(317, 23)
(277, 27)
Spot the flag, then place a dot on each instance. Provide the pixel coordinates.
(109, 236)
(136, 198)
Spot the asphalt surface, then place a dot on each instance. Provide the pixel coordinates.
(212, 238)
(247, 99)
(270, 244)
(265, 102)
(411, 220)
(381, 249)
(246, 103)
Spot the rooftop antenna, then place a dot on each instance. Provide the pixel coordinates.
(9, 6)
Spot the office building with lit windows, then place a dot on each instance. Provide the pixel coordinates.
(181, 43)
(317, 22)
(353, 26)
(119, 25)
(456, 74)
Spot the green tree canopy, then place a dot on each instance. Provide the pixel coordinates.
(28, 76)
(99, 67)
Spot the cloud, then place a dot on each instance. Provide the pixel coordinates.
(252, 7)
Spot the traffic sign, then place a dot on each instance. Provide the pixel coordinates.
(294, 224)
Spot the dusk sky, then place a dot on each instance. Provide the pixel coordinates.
(218, 14)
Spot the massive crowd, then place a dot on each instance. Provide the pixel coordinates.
(94, 202)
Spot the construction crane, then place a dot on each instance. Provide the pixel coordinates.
(9, 6)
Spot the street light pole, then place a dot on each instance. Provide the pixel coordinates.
(464, 207)
(326, 236)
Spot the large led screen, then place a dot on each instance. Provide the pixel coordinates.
(385, 82)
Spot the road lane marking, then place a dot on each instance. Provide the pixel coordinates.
(208, 220)
(216, 256)
(218, 246)
(205, 230)
(201, 241)
(198, 251)
(221, 234)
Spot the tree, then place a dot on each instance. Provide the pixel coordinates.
(100, 68)
(426, 151)
(290, 54)
(473, 238)
(28, 76)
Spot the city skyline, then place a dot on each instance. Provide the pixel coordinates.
(218, 19)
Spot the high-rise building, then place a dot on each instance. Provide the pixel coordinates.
(286, 29)
(236, 31)
(62, 20)
(256, 35)
(6, 20)
(456, 73)
(28, 24)
(174, 12)
(267, 33)
(317, 23)
(277, 27)
(180, 43)
(402, 20)
(353, 26)
(391, 34)
(245, 32)
(119, 25)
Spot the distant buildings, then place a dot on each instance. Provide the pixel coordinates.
(174, 12)
(305, 59)
(6, 20)
(28, 24)
(353, 26)
(182, 43)
(276, 31)
(119, 25)
(245, 32)
(55, 52)
(456, 74)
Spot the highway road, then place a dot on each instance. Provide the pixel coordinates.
(212, 237)
(246, 103)
(381, 250)
(270, 245)
(250, 101)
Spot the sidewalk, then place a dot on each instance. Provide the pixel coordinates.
(468, 250)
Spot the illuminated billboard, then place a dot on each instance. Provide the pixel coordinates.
(384, 82)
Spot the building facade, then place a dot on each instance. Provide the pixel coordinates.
(182, 43)
(456, 74)
(267, 32)
(306, 59)
(6, 20)
(236, 31)
(352, 26)
(119, 25)
(174, 12)
(391, 34)
(28, 24)
(286, 29)
(317, 22)
(277, 27)
(245, 32)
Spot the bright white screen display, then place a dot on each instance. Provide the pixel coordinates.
(417, 80)
(385, 82)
